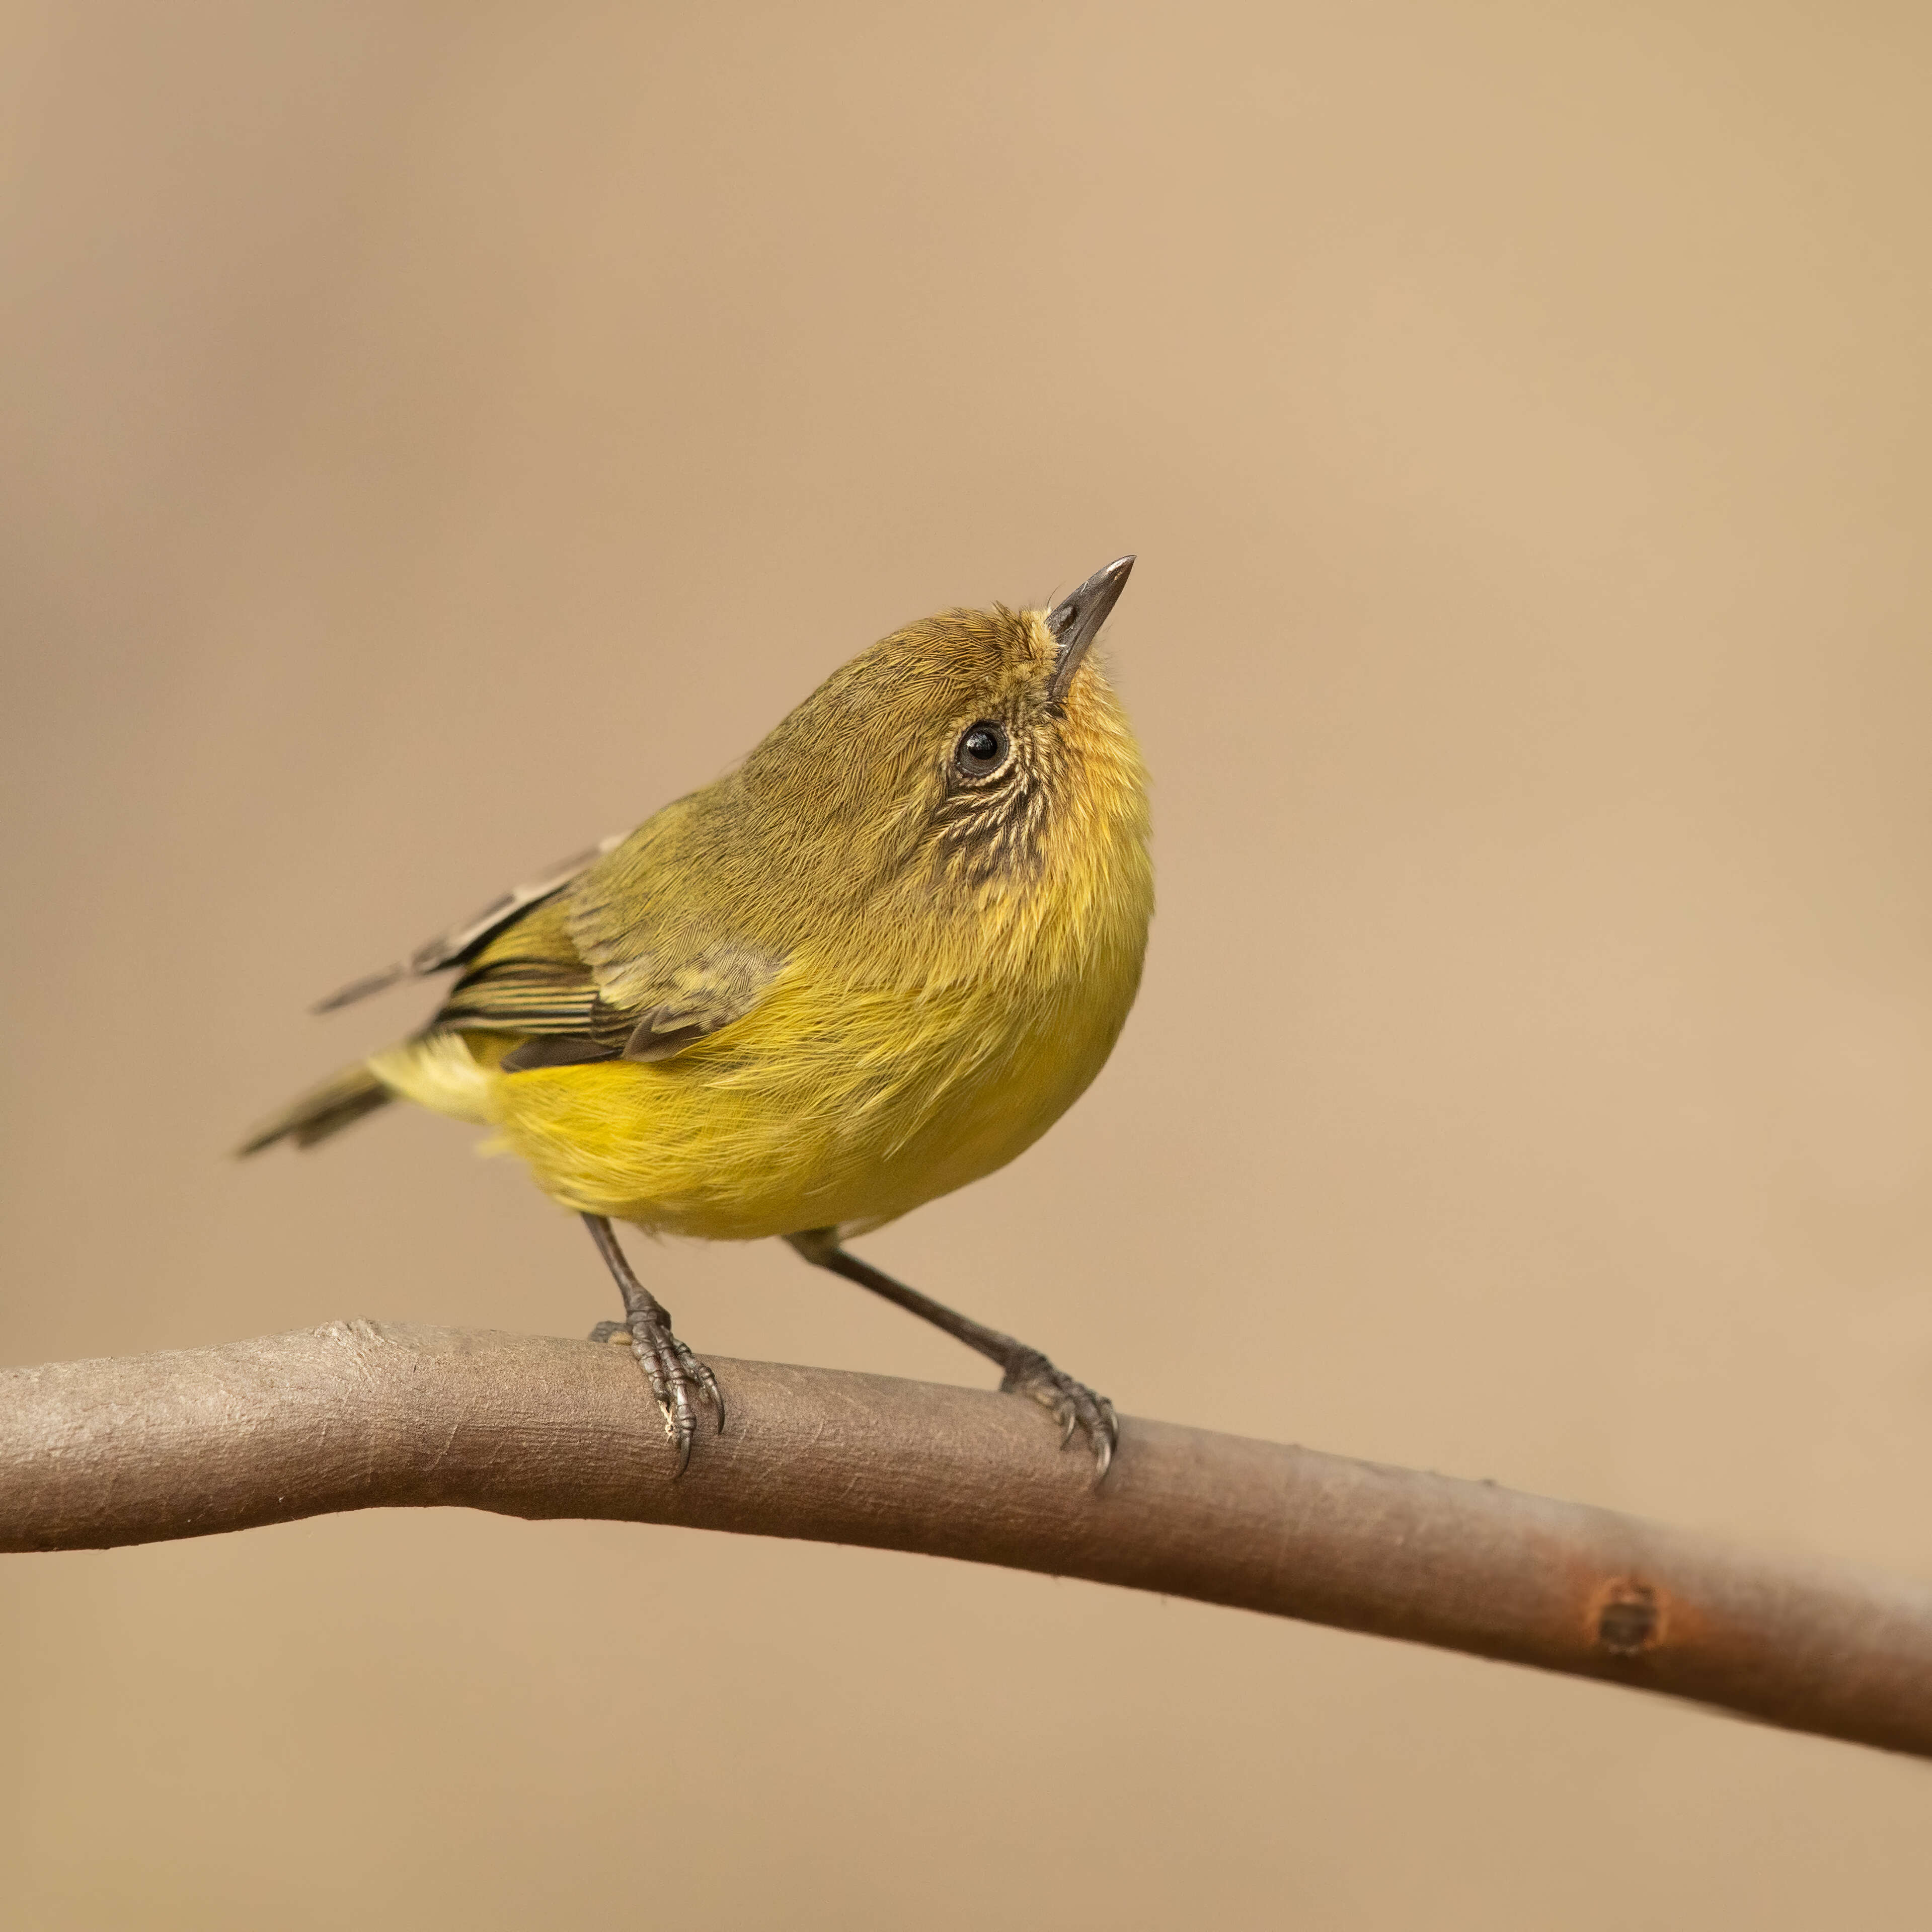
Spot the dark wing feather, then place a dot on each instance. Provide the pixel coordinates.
(554, 1004)
(524, 975)
(461, 943)
(566, 1020)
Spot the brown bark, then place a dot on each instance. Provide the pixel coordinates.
(359, 1415)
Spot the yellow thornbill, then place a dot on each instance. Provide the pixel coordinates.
(876, 961)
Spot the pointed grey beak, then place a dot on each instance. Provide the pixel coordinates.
(1075, 622)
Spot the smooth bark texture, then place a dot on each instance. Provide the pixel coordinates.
(360, 1415)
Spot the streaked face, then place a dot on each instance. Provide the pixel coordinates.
(948, 747)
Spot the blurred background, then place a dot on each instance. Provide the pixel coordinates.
(437, 434)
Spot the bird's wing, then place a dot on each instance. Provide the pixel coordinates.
(461, 943)
(563, 1017)
(678, 980)
(618, 953)
(551, 1006)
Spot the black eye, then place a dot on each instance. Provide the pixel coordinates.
(983, 749)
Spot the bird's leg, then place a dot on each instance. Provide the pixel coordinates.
(1027, 1372)
(674, 1370)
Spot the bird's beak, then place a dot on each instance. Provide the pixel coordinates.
(1075, 622)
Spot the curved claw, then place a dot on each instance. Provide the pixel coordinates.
(1072, 1405)
(673, 1370)
(708, 1384)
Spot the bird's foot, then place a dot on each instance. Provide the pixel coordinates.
(678, 1380)
(1072, 1405)
(1026, 1372)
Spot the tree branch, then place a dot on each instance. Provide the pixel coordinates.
(359, 1415)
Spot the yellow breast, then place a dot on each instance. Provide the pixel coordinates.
(834, 1104)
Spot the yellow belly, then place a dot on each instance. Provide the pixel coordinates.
(813, 1111)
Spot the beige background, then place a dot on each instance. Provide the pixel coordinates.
(437, 435)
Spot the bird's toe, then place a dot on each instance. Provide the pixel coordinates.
(1072, 1405)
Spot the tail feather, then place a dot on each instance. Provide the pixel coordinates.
(324, 1110)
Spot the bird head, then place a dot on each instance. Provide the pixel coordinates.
(969, 750)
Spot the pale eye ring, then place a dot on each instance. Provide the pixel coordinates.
(983, 749)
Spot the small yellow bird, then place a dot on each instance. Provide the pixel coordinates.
(874, 962)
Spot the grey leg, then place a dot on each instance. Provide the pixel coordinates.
(674, 1370)
(1026, 1372)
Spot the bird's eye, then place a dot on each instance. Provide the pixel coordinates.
(983, 749)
